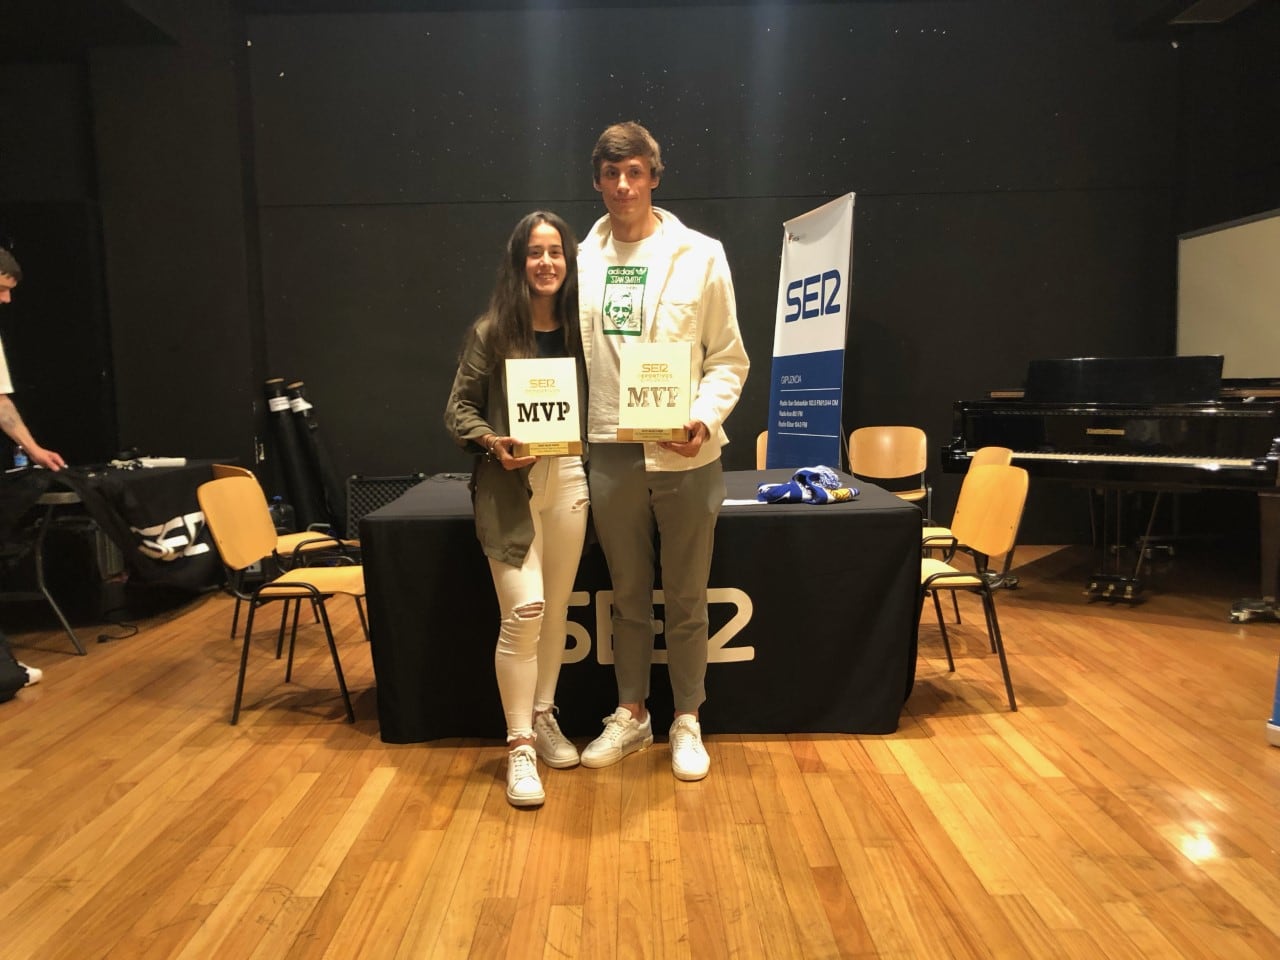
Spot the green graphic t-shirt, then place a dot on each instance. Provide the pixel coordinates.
(622, 312)
(621, 316)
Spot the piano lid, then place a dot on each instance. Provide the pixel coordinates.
(1135, 380)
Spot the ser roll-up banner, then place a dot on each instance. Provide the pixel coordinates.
(807, 379)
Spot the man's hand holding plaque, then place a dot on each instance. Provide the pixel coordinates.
(653, 395)
(697, 432)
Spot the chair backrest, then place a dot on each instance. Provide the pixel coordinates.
(762, 449)
(221, 470)
(986, 456)
(884, 453)
(990, 508)
(239, 520)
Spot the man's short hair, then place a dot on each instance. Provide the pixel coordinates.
(623, 140)
(9, 266)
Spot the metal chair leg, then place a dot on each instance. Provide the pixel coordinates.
(284, 620)
(364, 623)
(942, 624)
(293, 638)
(997, 641)
(244, 662)
(43, 587)
(337, 664)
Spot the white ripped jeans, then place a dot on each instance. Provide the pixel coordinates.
(533, 599)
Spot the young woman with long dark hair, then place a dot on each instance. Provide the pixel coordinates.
(531, 512)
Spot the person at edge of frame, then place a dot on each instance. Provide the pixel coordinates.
(14, 674)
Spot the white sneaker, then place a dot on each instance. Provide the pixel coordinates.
(34, 674)
(623, 734)
(550, 744)
(689, 760)
(524, 788)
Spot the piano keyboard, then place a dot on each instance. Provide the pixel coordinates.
(1204, 463)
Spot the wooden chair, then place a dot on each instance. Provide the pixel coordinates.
(985, 525)
(239, 521)
(897, 455)
(936, 538)
(291, 549)
(940, 539)
(762, 449)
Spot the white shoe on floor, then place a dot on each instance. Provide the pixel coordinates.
(689, 760)
(622, 734)
(34, 674)
(552, 746)
(524, 787)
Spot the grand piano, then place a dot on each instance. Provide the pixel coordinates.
(1164, 424)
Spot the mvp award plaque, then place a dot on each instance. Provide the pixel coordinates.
(542, 407)
(653, 392)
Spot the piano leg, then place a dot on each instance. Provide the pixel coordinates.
(1117, 586)
(1266, 608)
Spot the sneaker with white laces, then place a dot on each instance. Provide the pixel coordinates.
(689, 760)
(524, 787)
(34, 674)
(622, 734)
(550, 744)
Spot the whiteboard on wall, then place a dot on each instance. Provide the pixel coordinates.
(1229, 295)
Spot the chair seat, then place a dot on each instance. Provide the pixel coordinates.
(912, 495)
(347, 579)
(930, 567)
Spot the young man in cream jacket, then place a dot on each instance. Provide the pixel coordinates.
(643, 277)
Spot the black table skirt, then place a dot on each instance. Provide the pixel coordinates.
(813, 615)
(137, 510)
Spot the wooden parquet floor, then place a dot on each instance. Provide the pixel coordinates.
(1128, 809)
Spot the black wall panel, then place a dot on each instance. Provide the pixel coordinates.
(1229, 120)
(55, 331)
(1013, 163)
(177, 223)
(750, 100)
(45, 150)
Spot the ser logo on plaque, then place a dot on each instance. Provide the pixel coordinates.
(653, 392)
(542, 407)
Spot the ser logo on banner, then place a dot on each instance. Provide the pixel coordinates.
(578, 647)
(813, 296)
